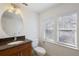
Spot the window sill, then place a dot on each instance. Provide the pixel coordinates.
(62, 44)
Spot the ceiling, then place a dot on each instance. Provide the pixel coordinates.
(39, 7)
(36, 7)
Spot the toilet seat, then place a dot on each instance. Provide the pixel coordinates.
(40, 51)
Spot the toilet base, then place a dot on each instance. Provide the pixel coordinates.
(39, 51)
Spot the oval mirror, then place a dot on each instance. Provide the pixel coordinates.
(11, 23)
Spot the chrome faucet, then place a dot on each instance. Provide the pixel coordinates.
(15, 38)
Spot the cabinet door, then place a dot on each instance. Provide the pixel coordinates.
(14, 54)
(27, 51)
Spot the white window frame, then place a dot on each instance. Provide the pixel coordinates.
(67, 44)
(62, 43)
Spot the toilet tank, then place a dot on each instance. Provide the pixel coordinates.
(34, 43)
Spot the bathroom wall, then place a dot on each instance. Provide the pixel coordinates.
(55, 12)
(30, 23)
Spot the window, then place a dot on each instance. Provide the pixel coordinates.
(49, 29)
(66, 30)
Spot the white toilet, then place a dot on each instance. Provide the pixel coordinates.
(40, 51)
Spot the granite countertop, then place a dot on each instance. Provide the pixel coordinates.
(6, 46)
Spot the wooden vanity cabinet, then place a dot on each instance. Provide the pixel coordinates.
(20, 50)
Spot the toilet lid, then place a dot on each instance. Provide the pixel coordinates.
(40, 50)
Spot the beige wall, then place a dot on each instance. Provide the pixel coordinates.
(55, 12)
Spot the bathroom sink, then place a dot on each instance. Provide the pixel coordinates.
(15, 43)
